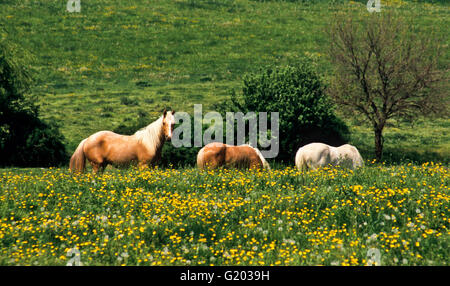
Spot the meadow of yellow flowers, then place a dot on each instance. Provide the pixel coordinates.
(184, 216)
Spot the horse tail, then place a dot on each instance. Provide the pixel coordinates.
(200, 159)
(300, 161)
(78, 159)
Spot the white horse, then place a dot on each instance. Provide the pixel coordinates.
(315, 155)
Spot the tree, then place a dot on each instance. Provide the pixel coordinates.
(384, 69)
(25, 140)
(305, 112)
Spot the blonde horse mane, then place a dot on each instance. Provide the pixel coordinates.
(261, 157)
(151, 135)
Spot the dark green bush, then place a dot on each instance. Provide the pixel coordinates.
(305, 112)
(44, 146)
(178, 157)
(25, 140)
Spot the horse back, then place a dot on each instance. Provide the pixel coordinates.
(107, 146)
(218, 154)
(243, 156)
(351, 154)
(314, 155)
(212, 155)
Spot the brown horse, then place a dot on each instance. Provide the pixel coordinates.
(215, 155)
(106, 147)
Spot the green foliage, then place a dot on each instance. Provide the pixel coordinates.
(305, 112)
(178, 157)
(25, 140)
(44, 146)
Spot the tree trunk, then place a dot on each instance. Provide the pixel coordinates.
(378, 143)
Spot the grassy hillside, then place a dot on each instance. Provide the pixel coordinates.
(116, 59)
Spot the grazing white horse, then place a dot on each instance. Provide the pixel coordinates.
(315, 155)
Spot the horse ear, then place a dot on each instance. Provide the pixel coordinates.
(164, 112)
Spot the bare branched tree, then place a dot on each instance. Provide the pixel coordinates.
(384, 70)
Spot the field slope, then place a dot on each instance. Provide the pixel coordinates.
(116, 59)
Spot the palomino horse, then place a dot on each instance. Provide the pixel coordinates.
(215, 155)
(317, 155)
(106, 147)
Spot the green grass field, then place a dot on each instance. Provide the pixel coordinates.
(99, 68)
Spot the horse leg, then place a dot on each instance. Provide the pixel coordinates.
(97, 162)
(215, 164)
(95, 167)
(103, 166)
(142, 165)
(303, 168)
(255, 165)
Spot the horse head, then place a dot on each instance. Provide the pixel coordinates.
(168, 124)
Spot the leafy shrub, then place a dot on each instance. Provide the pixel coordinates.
(44, 146)
(305, 112)
(25, 140)
(178, 157)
